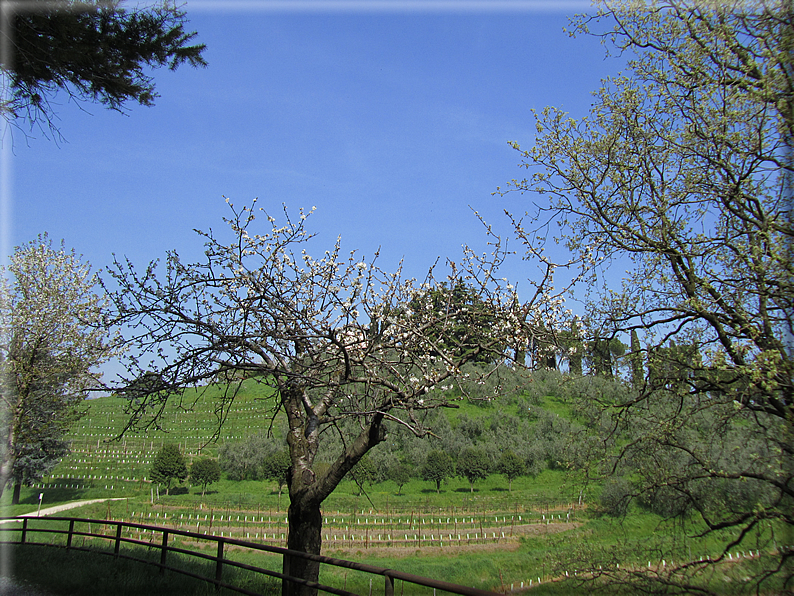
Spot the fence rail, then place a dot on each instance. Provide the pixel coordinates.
(54, 526)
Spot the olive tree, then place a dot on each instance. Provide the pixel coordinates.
(276, 468)
(348, 347)
(681, 175)
(247, 459)
(52, 339)
(363, 473)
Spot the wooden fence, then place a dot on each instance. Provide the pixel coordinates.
(55, 527)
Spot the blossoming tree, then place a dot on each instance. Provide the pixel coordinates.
(336, 337)
(52, 339)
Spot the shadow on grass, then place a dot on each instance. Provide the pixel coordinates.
(77, 573)
(55, 495)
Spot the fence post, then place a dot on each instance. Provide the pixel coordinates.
(118, 541)
(163, 551)
(24, 529)
(219, 566)
(71, 533)
(389, 589)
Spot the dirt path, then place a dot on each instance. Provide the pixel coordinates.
(64, 507)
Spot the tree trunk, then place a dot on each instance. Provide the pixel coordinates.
(637, 372)
(15, 496)
(305, 535)
(307, 491)
(521, 357)
(7, 465)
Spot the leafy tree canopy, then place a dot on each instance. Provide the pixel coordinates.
(512, 466)
(473, 464)
(92, 51)
(468, 321)
(682, 176)
(438, 467)
(205, 471)
(168, 465)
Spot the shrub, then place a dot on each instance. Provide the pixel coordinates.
(615, 497)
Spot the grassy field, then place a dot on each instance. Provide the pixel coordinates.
(491, 538)
(87, 574)
(533, 561)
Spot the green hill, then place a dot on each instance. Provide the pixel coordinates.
(102, 455)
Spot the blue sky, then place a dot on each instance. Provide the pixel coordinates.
(393, 119)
